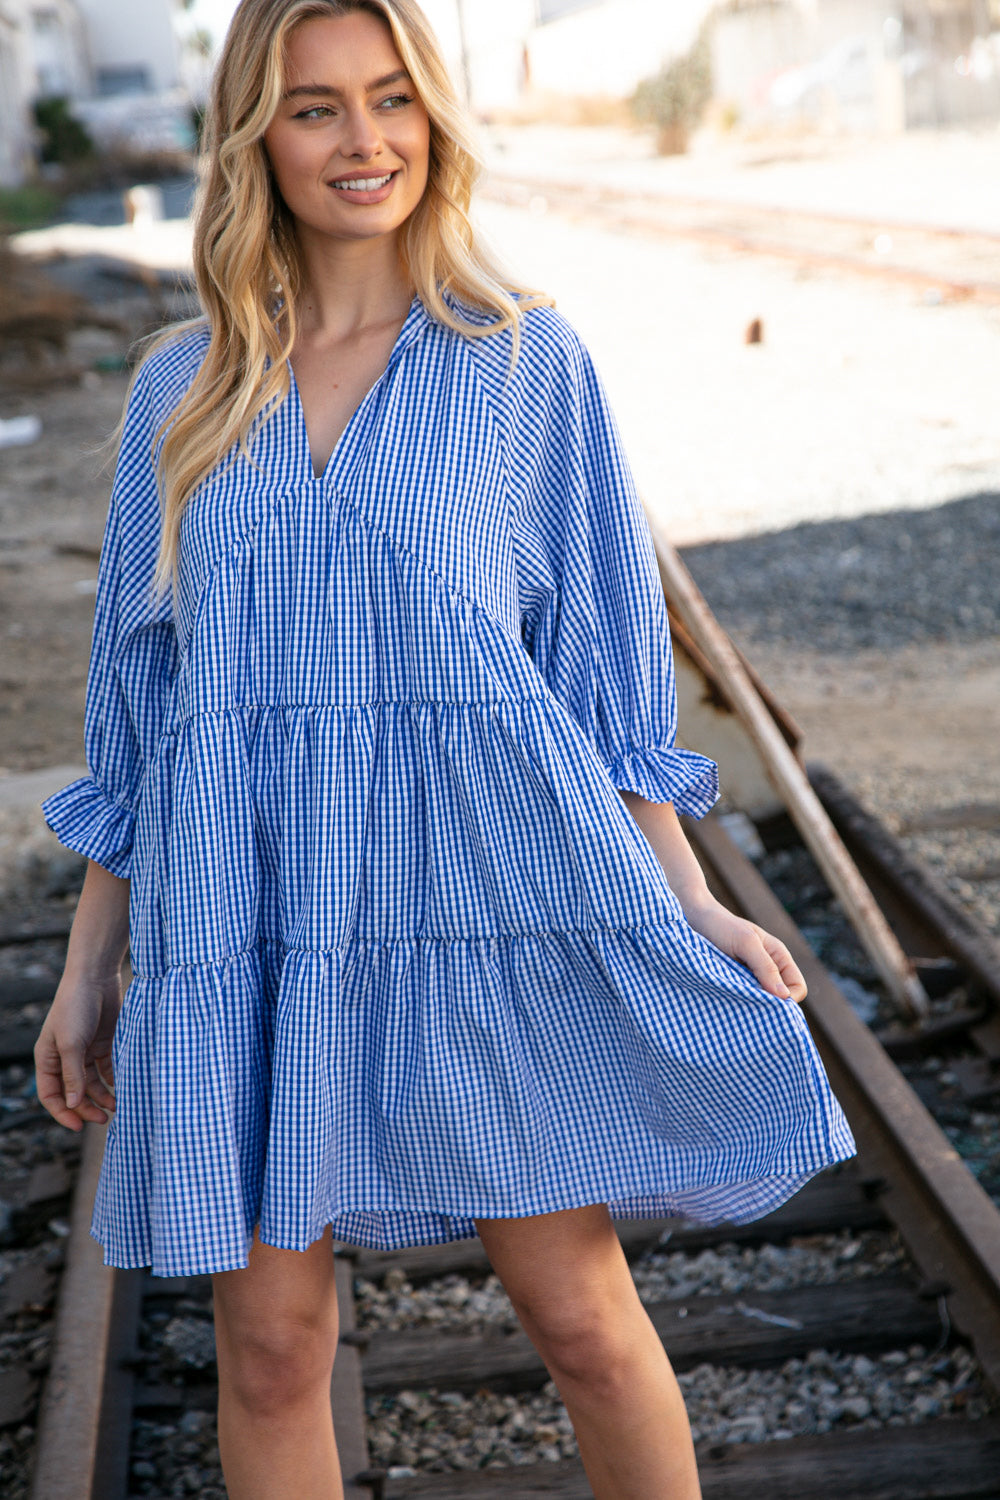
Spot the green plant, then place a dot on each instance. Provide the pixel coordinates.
(64, 139)
(675, 97)
(29, 207)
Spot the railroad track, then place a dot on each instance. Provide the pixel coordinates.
(132, 1355)
(942, 262)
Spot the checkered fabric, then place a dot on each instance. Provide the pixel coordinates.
(402, 957)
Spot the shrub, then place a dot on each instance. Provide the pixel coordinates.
(64, 139)
(29, 207)
(674, 98)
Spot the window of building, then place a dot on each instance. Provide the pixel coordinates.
(130, 80)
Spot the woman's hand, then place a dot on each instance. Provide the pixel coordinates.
(73, 1070)
(764, 955)
(73, 1053)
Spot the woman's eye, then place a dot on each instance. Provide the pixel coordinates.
(325, 111)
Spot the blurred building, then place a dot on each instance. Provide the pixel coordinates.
(864, 65)
(519, 49)
(870, 65)
(610, 46)
(58, 45)
(134, 48)
(118, 62)
(43, 51)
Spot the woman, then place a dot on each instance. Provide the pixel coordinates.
(380, 727)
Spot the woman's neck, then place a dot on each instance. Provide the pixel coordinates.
(347, 287)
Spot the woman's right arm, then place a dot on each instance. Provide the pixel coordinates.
(132, 660)
(73, 1052)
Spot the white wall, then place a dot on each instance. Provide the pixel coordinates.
(609, 48)
(134, 34)
(60, 48)
(16, 86)
(845, 65)
(496, 32)
(605, 48)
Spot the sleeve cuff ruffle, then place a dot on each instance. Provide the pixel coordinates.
(84, 819)
(689, 780)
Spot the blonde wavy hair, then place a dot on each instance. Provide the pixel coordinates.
(246, 257)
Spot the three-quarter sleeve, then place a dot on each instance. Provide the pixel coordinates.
(593, 615)
(132, 659)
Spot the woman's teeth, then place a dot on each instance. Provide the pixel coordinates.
(363, 184)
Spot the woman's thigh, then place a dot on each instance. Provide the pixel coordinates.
(561, 1269)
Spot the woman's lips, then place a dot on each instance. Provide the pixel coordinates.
(369, 189)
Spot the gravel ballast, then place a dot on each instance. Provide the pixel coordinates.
(439, 1430)
(443, 1430)
(875, 581)
(456, 1303)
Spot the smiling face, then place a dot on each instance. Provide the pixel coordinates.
(350, 144)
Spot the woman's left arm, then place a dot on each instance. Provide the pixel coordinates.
(766, 956)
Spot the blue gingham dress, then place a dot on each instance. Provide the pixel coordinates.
(402, 958)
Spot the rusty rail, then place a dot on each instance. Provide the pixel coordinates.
(83, 1432)
(805, 236)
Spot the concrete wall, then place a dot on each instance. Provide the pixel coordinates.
(608, 48)
(16, 80)
(864, 65)
(60, 49)
(496, 36)
(959, 79)
(604, 48)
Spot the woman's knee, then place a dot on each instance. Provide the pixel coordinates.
(276, 1326)
(586, 1340)
(276, 1364)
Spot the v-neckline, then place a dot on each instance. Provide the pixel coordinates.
(299, 410)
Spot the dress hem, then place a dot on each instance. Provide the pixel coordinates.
(783, 1185)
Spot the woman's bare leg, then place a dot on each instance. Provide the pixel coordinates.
(572, 1289)
(276, 1337)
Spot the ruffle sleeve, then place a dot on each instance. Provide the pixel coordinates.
(593, 615)
(132, 659)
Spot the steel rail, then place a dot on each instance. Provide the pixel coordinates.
(649, 215)
(82, 1449)
(909, 884)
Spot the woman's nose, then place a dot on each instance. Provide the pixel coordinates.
(361, 137)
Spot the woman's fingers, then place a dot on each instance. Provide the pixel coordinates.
(764, 955)
(770, 963)
(62, 1081)
(754, 953)
(98, 1089)
(790, 975)
(53, 1089)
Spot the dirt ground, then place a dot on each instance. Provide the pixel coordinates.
(53, 502)
(917, 728)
